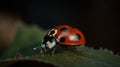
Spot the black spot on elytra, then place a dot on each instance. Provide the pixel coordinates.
(78, 36)
(62, 39)
(63, 29)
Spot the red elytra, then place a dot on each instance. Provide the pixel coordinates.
(68, 36)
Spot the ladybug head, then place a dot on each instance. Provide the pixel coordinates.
(49, 41)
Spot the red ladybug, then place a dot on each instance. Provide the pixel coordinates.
(64, 35)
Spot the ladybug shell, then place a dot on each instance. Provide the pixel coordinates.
(67, 35)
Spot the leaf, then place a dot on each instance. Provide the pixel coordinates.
(29, 37)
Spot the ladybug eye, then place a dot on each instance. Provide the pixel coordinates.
(63, 29)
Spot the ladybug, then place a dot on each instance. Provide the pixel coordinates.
(62, 35)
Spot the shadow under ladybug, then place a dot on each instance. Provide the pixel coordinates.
(63, 37)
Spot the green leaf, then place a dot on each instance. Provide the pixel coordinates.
(29, 37)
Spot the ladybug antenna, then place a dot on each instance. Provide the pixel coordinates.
(36, 47)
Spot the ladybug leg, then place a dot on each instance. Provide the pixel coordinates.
(52, 45)
(53, 50)
(41, 51)
(43, 48)
(73, 47)
(64, 47)
(38, 47)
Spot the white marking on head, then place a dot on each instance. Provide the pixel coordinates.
(51, 45)
(50, 35)
(55, 32)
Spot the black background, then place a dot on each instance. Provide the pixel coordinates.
(97, 19)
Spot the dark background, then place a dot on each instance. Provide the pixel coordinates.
(97, 19)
